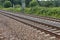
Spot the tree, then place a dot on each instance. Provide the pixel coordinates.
(7, 4)
(27, 2)
(33, 3)
(49, 3)
(15, 2)
(2, 2)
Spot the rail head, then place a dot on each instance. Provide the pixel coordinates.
(38, 20)
(42, 21)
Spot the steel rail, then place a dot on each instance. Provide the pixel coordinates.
(38, 20)
(43, 17)
(50, 18)
(18, 18)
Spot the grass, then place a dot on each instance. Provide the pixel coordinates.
(39, 11)
(11, 9)
(44, 11)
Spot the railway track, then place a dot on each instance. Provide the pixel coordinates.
(44, 17)
(50, 18)
(47, 18)
(49, 27)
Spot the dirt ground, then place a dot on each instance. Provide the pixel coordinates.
(13, 30)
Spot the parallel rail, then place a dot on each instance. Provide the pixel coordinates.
(52, 19)
(43, 17)
(39, 24)
(47, 18)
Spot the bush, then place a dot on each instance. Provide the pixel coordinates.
(17, 6)
(33, 3)
(44, 11)
(7, 4)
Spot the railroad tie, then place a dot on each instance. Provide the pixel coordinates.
(52, 29)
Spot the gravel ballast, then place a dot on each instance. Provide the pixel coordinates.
(14, 30)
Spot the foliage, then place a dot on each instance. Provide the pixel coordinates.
(33, 3)
(7, 4)
(12, 9)
(55, 3)
(17, 6)
(46, 8)
(44, 11)
(27, 2)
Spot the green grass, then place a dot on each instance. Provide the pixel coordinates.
(44, 11)
(39, 11)
(11, 9)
